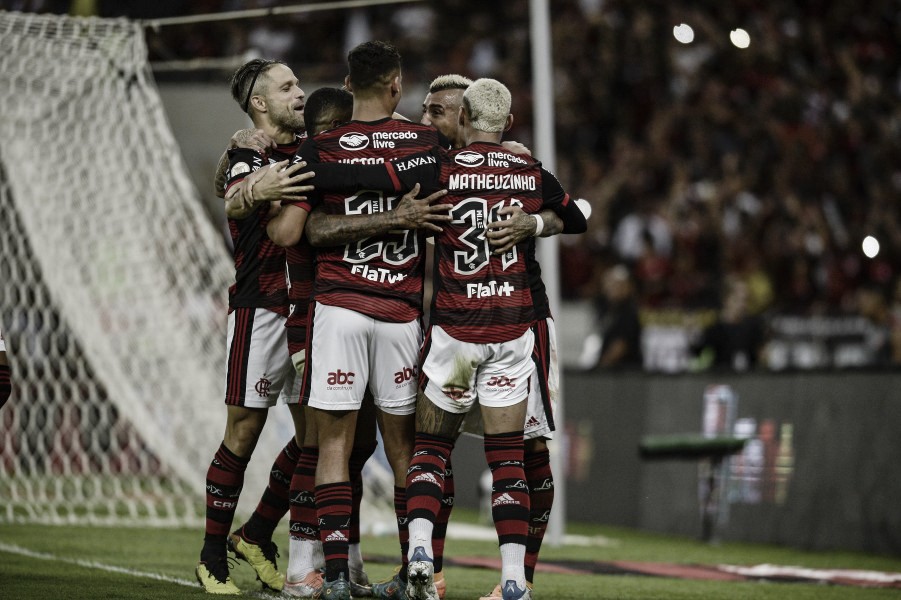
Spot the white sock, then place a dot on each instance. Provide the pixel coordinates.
(421, 535)
(513, 559)
(354, 558)
(301, 558)
(318, 556)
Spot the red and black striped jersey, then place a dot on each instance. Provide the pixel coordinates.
(479, 296)
(381, 276)
(260, 280)
(482, 297)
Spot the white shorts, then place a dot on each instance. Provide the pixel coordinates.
(259, 371)
(459, 374)
(542, 393)
(350, 351)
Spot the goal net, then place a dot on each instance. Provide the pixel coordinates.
(112, 289)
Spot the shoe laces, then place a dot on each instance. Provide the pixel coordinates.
(220, 566)
(270, 551)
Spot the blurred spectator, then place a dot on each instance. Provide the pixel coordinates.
(873, 306)
(619, 327)
(735, 340)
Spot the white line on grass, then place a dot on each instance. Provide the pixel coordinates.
(90, 564)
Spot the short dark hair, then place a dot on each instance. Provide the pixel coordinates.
(372, 63)
(246, 77)
(327, 103)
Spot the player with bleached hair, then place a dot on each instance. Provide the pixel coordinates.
(441, 108)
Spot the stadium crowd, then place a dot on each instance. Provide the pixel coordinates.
(706, 164)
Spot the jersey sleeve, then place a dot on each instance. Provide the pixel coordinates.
(555, 198)
(307, 152)
(241, 163)
(398, 175)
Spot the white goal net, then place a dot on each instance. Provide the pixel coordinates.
(112, 288)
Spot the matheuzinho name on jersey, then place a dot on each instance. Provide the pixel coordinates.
(491, 181)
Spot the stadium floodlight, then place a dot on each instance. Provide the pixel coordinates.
(740, 38)
(870, 246)
(684, 33)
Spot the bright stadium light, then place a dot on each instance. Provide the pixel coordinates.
(870, 246)
(683, 33)
(740, 38)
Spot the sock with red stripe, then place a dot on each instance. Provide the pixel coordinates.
(425, 487)
(333, 505)
(304, 521)
(403, 532)
(541, 500)
(274, 503)
(224, 481)
(358, 458)
(509, 501)
(439, 532)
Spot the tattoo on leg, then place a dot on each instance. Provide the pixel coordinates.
(435, 420)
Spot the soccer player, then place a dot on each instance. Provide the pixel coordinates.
(480, 343)
(259, 367)
(440, 109)
(5, 381)
(365, 317)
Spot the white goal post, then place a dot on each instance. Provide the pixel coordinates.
(113, 288)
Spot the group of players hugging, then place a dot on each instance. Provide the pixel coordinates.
(348, 198)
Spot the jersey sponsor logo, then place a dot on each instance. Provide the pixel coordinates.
(468, 158)
(340, 380)
(377, 274)
(501, 381)
(239, 169)
(415, 162)
(405, 375)
(492, 288)
(503, 159)
(492, 181)
(353, 141)
(365, 160)
(262, 387)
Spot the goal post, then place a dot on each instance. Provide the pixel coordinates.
(112, 286)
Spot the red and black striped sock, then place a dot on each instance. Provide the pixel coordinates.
(333, 505)
(274, 503)
(304, 520)
(439, 533)
(358, 458)
(224, 481)
(541, 500)
(403, 532)
(510, 494)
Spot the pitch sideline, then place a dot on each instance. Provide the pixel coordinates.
(91, 564)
